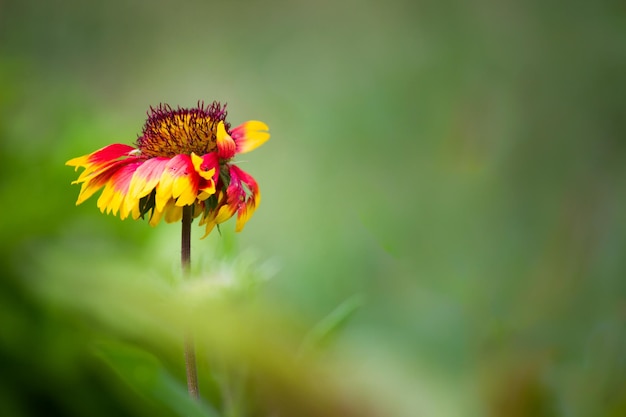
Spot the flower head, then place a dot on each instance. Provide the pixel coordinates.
(182, 158)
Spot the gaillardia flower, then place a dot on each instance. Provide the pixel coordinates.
(182, 158)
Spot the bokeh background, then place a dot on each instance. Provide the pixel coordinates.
(442, 229)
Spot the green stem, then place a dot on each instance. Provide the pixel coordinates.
(185, 260)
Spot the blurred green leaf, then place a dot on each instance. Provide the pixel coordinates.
(330, 325)
(144, 373)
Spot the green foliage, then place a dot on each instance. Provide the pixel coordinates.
(144, 373)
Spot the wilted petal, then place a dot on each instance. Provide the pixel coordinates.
(207, 167)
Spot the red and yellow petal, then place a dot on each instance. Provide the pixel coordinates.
(226, 146)
(250, 135)
(94, 170)
(242, 197)
(207, 166)
(115, 191)
(89, 188)
(179, 181)
(147, 176)
(99, 167)
(251, 200)
(101, 156)
(144, 180)
(217, 216)
(244, 213)
(235, 192)
(98, 180)
(248, 180)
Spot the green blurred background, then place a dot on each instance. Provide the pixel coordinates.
(442, 229)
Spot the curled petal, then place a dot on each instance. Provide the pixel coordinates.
(252, 199)
(250, 135)
(207, 188)
(207, 166)
(243, 195)
(249, 181)
(226, 146)
(239, 179)
(235, 192)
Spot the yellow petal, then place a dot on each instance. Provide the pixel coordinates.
(184, 191)
(209, 227)
(105, 198)
(250, 135)
(156, 216)
(173, 214)
(164, 190)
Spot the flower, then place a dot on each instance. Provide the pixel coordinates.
(182, 158)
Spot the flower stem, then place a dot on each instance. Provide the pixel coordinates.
(185, 260)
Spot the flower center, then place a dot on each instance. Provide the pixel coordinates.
(170, 132)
